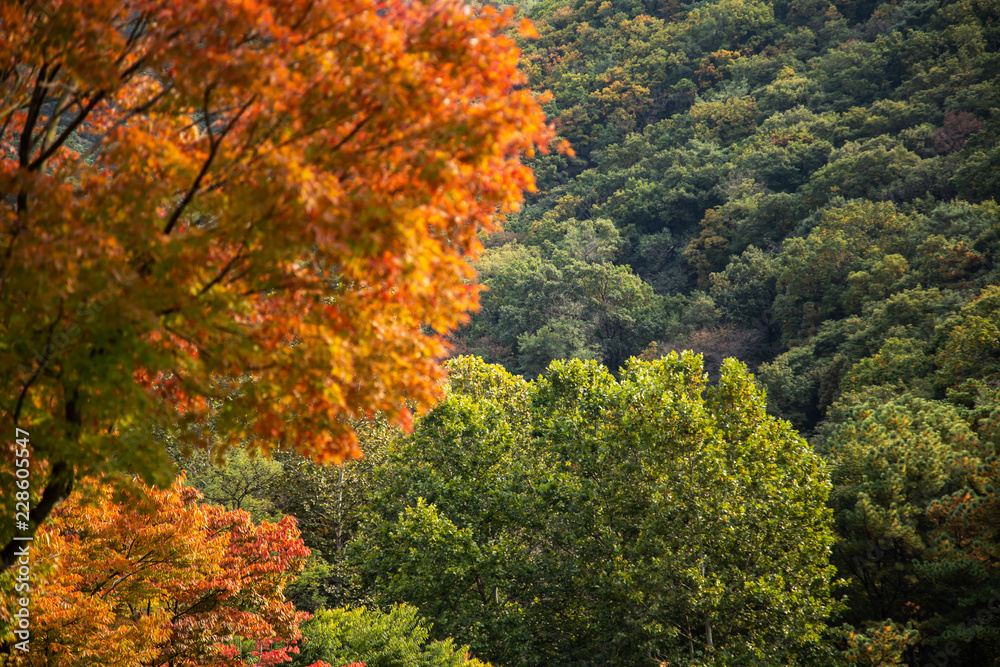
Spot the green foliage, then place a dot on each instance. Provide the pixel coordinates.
(899, 362)
(783, 154)
(613, 68)
(327, 502)
(965, 560)
(810, 187)
(792, 382)
(804, 185)
(814, 284)
(242, 482)
(970, 355)
(762, 124)
(891, 461)
(878, 169)
(443, 531)
(561, 297)
(745, 290)
(649, 515)
(396, 638)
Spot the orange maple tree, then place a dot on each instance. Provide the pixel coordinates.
(263, 211)
(159, 579)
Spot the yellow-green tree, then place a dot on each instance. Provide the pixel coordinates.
(649, 515)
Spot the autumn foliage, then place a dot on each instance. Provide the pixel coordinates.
(263, 209)
(160, 579)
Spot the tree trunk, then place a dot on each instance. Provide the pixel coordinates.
(59, 487)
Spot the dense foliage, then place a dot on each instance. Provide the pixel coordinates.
(157, 578)
(396, 638)
(808, 186)
(724, 147)
(258, 211)
(586, 520)
(579, 519)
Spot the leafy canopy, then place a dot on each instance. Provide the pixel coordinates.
(263, 210)
(581, 519)
(161, 579)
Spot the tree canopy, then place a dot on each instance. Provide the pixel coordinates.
(260, 211)
(161, 579)
(252, 224)
(615, 520)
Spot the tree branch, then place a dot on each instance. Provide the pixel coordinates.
(214, 144)
(73, 124)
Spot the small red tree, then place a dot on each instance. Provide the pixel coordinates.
(160, 579)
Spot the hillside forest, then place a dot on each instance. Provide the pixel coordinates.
(731, 396)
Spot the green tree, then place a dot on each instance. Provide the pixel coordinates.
(691, 500)
(327, 502)
(970, 356)
(964, 558)
(243, 481)
(625, 519)
(447, 527)
(562, 298)
(744, 292)
(396, 638)
(892, 460)
(813, 284)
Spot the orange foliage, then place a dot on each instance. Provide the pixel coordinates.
(160, 579)
(264, 210)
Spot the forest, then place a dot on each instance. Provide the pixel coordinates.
(730, 395)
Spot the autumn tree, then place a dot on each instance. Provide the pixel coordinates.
(157, 578)
(260, 210)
